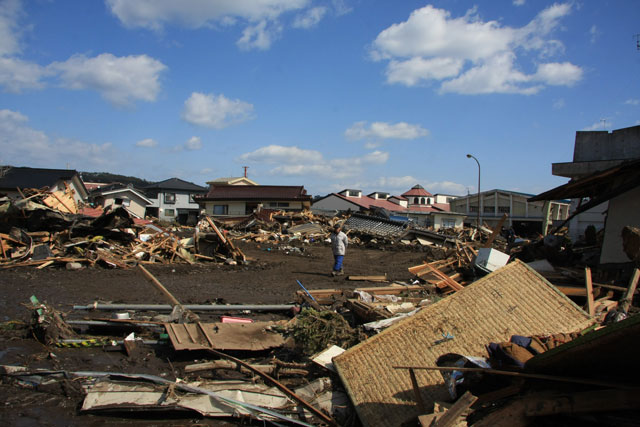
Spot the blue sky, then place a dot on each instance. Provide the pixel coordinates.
(371, 94)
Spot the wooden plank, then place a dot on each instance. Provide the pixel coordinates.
(625, 303)
(450, 418)
(159, 285)
(369, 278)
(496, 231)
(450, 282)
(589, 285)
(391, 290)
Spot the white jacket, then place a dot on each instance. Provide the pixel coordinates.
(339, 243)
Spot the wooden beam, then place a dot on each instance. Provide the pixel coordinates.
(628, 295)
(416, 391)
(450, 418)
(496, 231)
(159, 286)
(587, 280)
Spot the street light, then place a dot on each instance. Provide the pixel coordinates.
(469, 156)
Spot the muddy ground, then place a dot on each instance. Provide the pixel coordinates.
(269, 278)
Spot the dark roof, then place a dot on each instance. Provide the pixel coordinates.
(599, 186)
(24, 177)
(175, 184)
(257, 192)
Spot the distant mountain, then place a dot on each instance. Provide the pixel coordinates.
(107, 177)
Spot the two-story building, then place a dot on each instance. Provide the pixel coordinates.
(524, 216)
(174, 200)
(237, 200)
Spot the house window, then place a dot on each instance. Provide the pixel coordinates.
(170, 198)
(192, 198)
(448, 223)
(488, 209)
(169, 212)
(473, 208)
(504, 209)
(220, 209)
(353, 193)
(117, 201)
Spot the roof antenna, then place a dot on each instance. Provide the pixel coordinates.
(604, 123)
(245, 170)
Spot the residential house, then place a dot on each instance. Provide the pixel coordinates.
(596, 151)
(524, 216)
(415, 204)
(174, 200)
(232, 200)
(117, 195)
(353, 200)
(14, 178)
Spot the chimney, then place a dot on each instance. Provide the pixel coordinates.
(245, 170)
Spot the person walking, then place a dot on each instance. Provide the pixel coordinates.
(339, 242)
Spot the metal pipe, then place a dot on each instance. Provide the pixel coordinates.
(193, 307)
(116, 324)
(469, 156)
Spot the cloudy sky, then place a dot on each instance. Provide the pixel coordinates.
(371, 94)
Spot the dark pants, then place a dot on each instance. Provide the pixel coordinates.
(337, 266)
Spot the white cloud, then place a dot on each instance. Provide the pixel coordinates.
(470, 56)
(632, 102)
(594, 33)
(412, 71)
(120, 80)
(194, 143)
(17, 75)
(20, 144)
(383, 130)
(147, 143)
(310, 18)
(10, 12)
(564, 74)
(214, 111)
(519, 2)
(599, 125)
(282, 154)
(259, 36)
(295, 161)
(558, 104)
(154, 14)
(260, 17)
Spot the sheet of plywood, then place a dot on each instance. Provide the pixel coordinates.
(223, 336)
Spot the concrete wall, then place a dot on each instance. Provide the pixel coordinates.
(602, 145)
(623, 211)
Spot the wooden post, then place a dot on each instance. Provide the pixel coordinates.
(159, 286)
(416, 391)
(628, 295)
(496, 231)
(589, 284)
